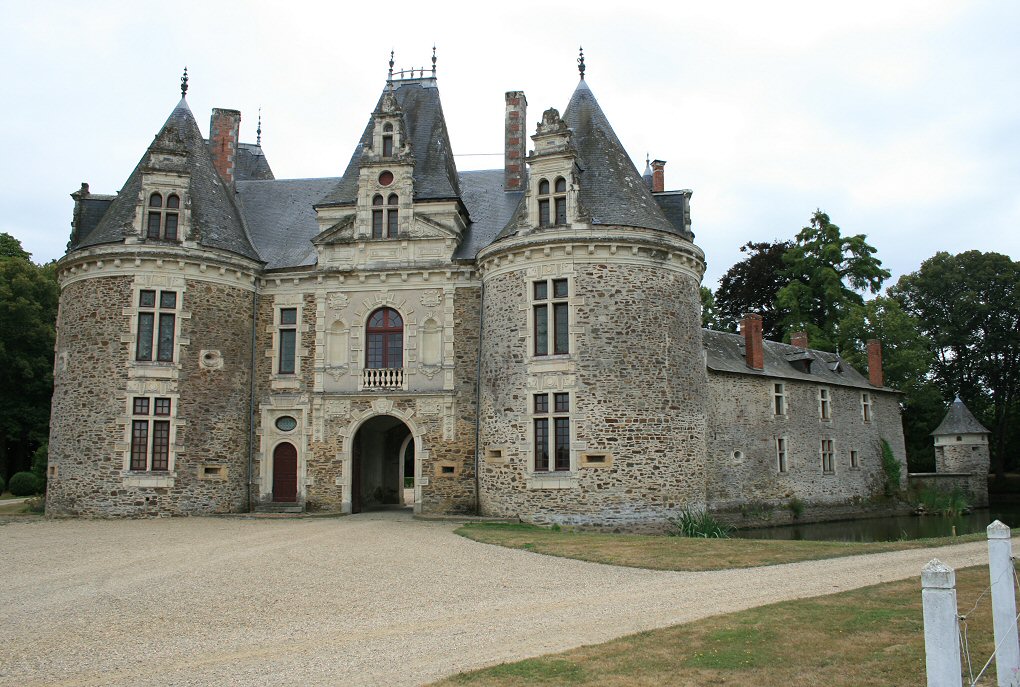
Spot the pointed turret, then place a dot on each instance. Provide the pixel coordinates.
(177, 162)
(959, 420)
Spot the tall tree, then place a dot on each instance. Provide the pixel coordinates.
(826, 274)
(968, 306)
(709, 315)
(28, 308)
(751, 285)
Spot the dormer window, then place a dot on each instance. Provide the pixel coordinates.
(162, 221)
(560, 202)
(385, 218)
(543, 203)
(552, 209)
(387, 140)
(392, 215)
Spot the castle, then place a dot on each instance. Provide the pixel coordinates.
(521, 342)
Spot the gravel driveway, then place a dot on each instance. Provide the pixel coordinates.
(374, 599)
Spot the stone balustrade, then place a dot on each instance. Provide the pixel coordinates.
(382, 378)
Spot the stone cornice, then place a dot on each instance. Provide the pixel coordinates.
(193, 263)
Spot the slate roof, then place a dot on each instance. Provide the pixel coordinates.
(435, 174)
(281, 217)
(724, 352)
(611, 188)
(489, 207)
(959, 420)
(672, 205)
(251, 164)
(93, 207)
(215, 220)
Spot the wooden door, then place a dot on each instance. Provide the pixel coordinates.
(285, 473)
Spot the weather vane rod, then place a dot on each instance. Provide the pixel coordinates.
(184, 83)
(580, 62)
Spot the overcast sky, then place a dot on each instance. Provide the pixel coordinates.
(900, 119)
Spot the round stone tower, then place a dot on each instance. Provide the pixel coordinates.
(961, 447)
(592, 372)
(152, 383)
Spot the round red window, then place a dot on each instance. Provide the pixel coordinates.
(386, 178)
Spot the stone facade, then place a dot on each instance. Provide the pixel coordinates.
(331, 341)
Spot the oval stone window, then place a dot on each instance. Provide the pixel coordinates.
(386, 178)
(286, 423)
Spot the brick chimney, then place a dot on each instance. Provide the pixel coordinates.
(875, 375)
(658, 176)
(799, 339)
(754, 349)
(223, 131)
(516, 143)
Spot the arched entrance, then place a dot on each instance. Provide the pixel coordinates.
(285, 473)
(378, 463)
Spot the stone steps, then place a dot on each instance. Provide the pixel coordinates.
(279, 508)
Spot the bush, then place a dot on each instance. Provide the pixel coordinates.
(796, 507)
(40, 459)
(697, 523)
(3, 484)
(941, 502)
(36, 504)
(891, 468)
(25, 484)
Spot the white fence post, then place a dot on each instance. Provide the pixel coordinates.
(941, 629)
(1000, 570)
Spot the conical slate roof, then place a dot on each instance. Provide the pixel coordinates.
(215, 220)
(959, 420)
(612, 191)
(435, 174)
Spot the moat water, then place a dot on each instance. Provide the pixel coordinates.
(892, 528)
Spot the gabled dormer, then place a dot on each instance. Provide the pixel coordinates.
(551, 198)
(385, 208)
(163, 207)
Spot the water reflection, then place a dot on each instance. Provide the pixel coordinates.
(890, 528)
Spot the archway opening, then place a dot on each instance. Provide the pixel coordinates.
(379, 464)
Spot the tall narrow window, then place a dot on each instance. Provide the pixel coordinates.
(551, 314)
(828, 457)
(866, 406)
(781, 454)
(552, 432)
(543, 203)
(155, 216)
(560, 201)
(855, 459)
(391, 216)
(377, 217)
(288, 341)
(156, 326)
(150, 434)
(385, 338)
(779, 398)
(387, 140)
(824, 405)
(173, 204)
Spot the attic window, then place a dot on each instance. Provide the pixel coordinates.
(548, 204)
(161, 222)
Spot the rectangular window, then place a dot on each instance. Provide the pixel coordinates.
(156, 326)
(139, 444)
(779, 396)
(828, 462)
(543, 213)
(555, 309)
(561, 211)
(152, 231)
(150, 439)
(377, 217)
(558, 443)
(824, 405)
(387, 146)
(855, 459)
(171, 226)
(391, 223)
(866, 406)
(288, 341)
(160, 445)
(781, 453)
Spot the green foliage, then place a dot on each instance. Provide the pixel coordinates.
(25, 484)
(826, 272)
(36, 504)
(891, 469)
(40, 460)
(756, 510)
(751, 285)
(697, 523)
(796, 507)
(10, 247)
(3, 484)
(968, 308)
(708, 313)
(949, 503)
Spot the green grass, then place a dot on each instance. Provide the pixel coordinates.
(679, 553)
(870, 637)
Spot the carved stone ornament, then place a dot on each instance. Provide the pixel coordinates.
(430, 371)
(337, 300)
(337, 372)
(431, 299)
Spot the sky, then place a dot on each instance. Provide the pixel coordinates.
(897, 118)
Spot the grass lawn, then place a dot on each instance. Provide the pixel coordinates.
(16, 508)
(870, 636)
(680, 553)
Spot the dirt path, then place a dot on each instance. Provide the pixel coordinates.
(363, 600)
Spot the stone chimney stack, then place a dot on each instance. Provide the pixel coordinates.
(658, 176)
(799, 339)
(224, 126)
(875, 375)
(754, 348)
(515, 147)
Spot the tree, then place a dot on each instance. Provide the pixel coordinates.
(906, 363)
(968, 306)
(826, 272)
(28, 307)
(751, 285)
(709, 319)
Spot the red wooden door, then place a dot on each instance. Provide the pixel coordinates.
(285, 473)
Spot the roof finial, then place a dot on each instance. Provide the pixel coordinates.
(390, 77)
(184, 83)
(258, 132)
(433, 60)
(580, 62)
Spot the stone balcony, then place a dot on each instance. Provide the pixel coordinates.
(382, 378)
